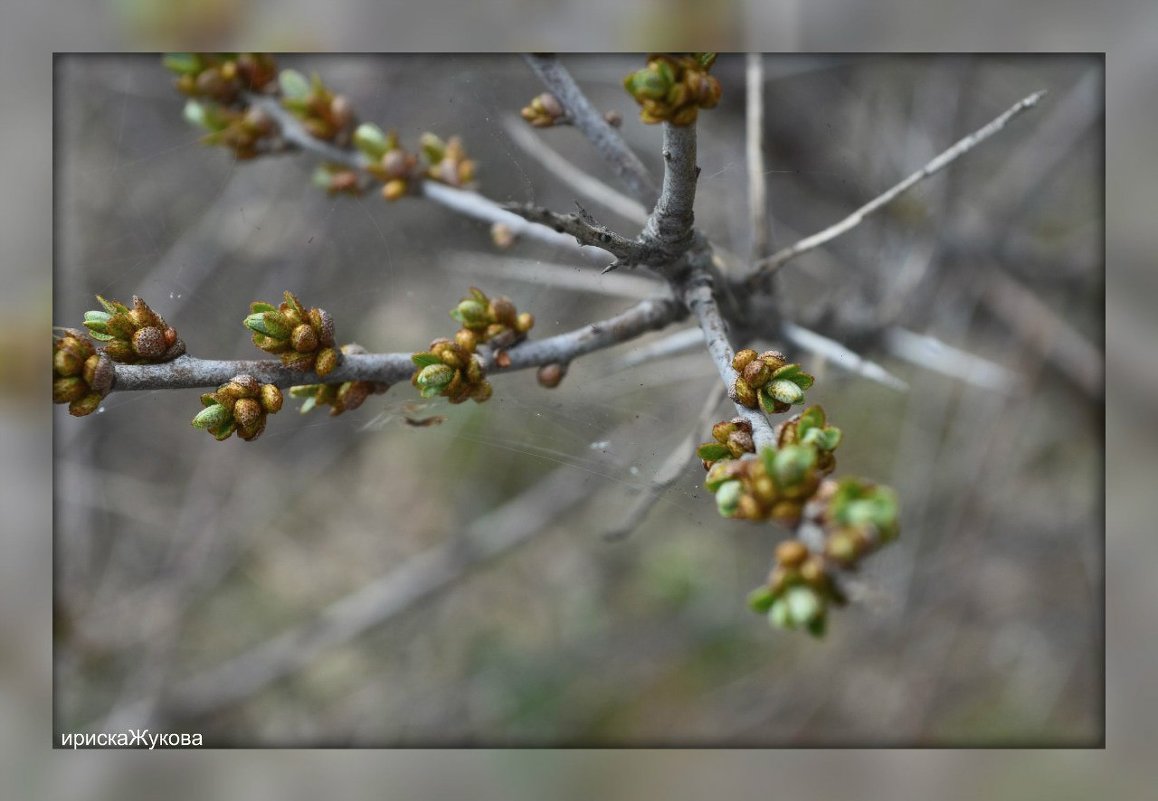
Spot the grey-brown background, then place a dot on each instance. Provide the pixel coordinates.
(175, 553)
(1123, 770)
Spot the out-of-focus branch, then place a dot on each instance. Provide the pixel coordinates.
(754, 120)
(843, 357)
(469, 204)
(534, 146)
(584, 116)
(186, 372)
(669, 471)
(420, 577)
(938, 163)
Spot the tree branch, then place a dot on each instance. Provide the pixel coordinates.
(187, 372)
(467, 203)
(584, 116)
(754, 121)
(698, 296)
(670, 225)
(938, 163)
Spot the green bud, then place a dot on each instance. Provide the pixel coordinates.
(711, 451)
(183, 63)
(728, 497)
(294, 85)
(470, 313)
(804, 605)
(793, 373)
(761, 599)
(791, 464)
(778, 614)
(270, 323)
(785, 391)
(212, 417)
(434, 378)
(370, 139)
(195, 114)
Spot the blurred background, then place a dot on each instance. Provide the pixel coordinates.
(180, 560)
(1123, 770)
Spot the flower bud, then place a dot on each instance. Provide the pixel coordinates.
(742, 359)
(791, 553)
(271, 398)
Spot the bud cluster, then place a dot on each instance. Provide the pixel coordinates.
(772, 486)
(217, 86)
(799, 590)
(221, 77)
(452, 369)
(343, 397)
(733, 438)
(544, 111)
(673, 88)
(81, 377)
(495, 322)
(768, 381)
(857, 516)
(304, 339)
(133, 336)
(323, 114)
(447, 161)
(401, 171)
(241, 406)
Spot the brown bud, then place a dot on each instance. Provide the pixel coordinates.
(740, 442)
(787, 513)
(149, 343)
(304, 339)
(323, 323)
(748, 508)
(742, 359)
(720, 431)
(482, 392)
(613, 118)
(551, 375)
(774, 359)
(791, 553)
(246, 412)
(86, 405)
(66, 390)
(328, 359)
(99, 373)
(466, 339)
(271, 398)
(743, 393)
(394, 189)
(504, 311)
(244, 386)
(813, 572)
(502, 236)
(757, 373)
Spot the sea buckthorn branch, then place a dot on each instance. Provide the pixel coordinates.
(587, 231)
(188, 372)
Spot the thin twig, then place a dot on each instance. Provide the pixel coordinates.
(559, 276)
(584, 116)
(668, 472)
(588, 232)
(931, 353)
(841, 356)
(938, 163)
(188, 372)
(757, 194)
